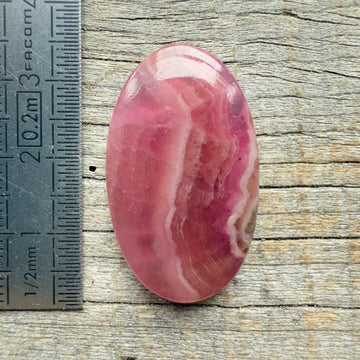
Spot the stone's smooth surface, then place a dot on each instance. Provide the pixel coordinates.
(183, 174)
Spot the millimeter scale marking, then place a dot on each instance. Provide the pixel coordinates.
(40, 155)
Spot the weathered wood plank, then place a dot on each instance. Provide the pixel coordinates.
(290, 148)
(286, 212)
(299, 93)
(109, 279)
(262, 252)
(297, 295)
(303, 200)
(117, 331)
(273, 175)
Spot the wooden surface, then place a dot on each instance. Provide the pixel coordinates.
(298, 294)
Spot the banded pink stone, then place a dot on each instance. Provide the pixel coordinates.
(182, 173)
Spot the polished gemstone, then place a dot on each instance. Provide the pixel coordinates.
(182, 173)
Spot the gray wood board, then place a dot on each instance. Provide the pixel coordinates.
(297, 295)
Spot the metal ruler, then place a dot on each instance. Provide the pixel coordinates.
(40, 155)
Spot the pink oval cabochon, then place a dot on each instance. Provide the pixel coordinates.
(182, 173)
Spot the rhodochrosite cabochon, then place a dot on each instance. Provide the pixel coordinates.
(182, 173)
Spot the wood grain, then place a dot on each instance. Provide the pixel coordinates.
(298, 294)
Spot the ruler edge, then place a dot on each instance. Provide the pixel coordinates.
(80, 306)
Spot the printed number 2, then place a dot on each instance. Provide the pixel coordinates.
(28, 155)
